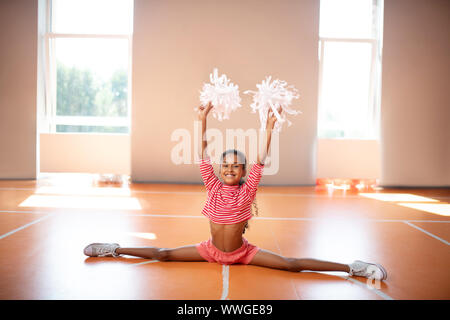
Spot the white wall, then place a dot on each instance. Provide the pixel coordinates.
(18, 70)
(89, 153)
(415, 114)
(177, 44)
(351, 159)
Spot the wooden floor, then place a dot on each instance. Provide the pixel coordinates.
(45, 224)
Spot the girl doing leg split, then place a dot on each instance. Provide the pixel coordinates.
(228, 208)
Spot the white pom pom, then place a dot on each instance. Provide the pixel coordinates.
(223, 95)
(272, 96)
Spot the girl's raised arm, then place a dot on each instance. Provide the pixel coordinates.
(206, 170)
(271, 119)
(202, 116)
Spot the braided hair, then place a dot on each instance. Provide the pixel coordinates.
(243, 161)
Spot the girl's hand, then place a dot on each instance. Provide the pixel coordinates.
(270, 124)
(203, 111)
(271, 119)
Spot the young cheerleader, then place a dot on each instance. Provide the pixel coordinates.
(228, 207)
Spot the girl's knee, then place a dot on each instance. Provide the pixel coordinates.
(293, 265)
(162, 255)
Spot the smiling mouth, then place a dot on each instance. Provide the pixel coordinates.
(230, 175)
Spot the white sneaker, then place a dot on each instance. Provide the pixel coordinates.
(102, 250)
(368, 270)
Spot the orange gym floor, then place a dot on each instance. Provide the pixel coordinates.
(46, 223)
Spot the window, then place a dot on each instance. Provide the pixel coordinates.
(350, 37)
(88, 62)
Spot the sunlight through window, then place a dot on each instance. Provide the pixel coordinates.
(80, 202)
(335, 239)
(442, 209)
(397, 197)
(412, 201)
(84, 191)
(87, 68)
(143, 235)
(350, 38)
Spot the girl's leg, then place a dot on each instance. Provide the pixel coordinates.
(269, 259)
(185, 253)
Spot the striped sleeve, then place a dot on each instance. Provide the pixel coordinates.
(254, 177)
(207, 172)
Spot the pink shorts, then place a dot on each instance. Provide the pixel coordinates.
(242, 255)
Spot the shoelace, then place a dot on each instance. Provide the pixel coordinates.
(106, 250)
(369, 276)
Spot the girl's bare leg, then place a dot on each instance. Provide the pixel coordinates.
(269, 259)
(185, 253)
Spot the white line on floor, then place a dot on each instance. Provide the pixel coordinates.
(225, 277)
(164, 215)
(286, 218)
(262, 193)
(225, 281)
(426, 232)
(254, 218)
(438, 221)
(24, 226)
(13, 211)
(289, 218)
(145, 262)
(279, 251)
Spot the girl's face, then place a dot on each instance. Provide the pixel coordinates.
(231, 171)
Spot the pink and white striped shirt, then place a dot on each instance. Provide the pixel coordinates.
(229, 204)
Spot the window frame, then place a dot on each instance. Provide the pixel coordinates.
(51, 119)
(375, 74)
